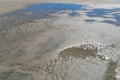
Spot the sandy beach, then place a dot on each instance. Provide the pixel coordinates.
(59, 41)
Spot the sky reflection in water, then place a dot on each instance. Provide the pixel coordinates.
(42, 11)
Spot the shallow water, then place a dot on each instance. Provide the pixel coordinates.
(42, 10)
(39, 11)
(57, 41)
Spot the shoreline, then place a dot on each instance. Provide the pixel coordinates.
(10, 6)
(35, 48)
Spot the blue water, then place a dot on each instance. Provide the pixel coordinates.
(98, 12)
(38, 11)
(42, 11)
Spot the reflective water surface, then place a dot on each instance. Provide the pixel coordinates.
(58, 41)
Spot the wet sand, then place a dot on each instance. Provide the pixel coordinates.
(7, 6)
(59, 46)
